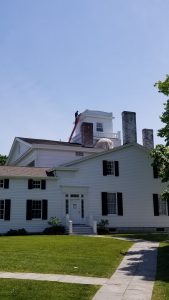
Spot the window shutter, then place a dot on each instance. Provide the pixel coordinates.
(7, 209)
(104, 167)
(116, 165)
(30, 184)
(168, 206)
(155, 171)
(44, 209)
(104, 204)
(156, 204)
(6, 183)
(120, 204)
(43, 184)
(29, 210)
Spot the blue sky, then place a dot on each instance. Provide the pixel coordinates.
(59, 56)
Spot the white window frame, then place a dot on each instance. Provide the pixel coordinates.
(163, 211)
(112, 197)
(36, 184)
(3, 210)
(37, 209)
(110, 167)
(99, 127)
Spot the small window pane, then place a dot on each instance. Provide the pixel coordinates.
(2, 208)
(36, 209)
(67, 206)
(82, 208)
(111, 203)
(1, 183)
(36, 184)
(162, 207)
(110, 167)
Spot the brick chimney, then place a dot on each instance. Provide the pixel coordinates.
(129, 127)
(148, 138)
(87, 134)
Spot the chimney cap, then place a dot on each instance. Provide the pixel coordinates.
(128, 112)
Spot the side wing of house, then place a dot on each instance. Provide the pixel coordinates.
(18, 150)
(27, 200)
(44, 153)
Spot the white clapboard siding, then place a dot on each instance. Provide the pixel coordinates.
(135, 181)
(52, 158)
(18, 192)
(18, 150)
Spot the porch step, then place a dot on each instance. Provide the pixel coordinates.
(82, 229)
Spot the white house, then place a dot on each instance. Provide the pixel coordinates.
(118, 184)
(50, 153)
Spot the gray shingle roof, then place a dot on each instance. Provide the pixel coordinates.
(47, 142)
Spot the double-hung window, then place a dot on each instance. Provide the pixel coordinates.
(110, 167)
(2, 209)
(161, 207)
(37, 184)
(5, 209)
(99, 127)
(36, 209)
(112, 204)
(4, 183)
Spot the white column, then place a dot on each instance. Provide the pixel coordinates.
(95, 227)
(70, 227)
(67, 220)
(91, 220)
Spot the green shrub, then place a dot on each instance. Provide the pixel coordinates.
(58, 229)
(54, 221)
(102, 227)
(22, 231)
(13, 232)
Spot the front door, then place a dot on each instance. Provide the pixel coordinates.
(76, 208)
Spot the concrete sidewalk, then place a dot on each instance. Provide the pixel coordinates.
(134, 278)
(55, 277)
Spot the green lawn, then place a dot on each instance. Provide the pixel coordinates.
(156, 237)
(161, 288)
(76, 255)
(41, 290)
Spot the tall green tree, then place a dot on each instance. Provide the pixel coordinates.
(160, 154)
(3, 159)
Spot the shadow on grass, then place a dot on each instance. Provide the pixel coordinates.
(156, 237)
(163, 263)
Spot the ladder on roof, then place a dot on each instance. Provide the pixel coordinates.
(76, 122)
